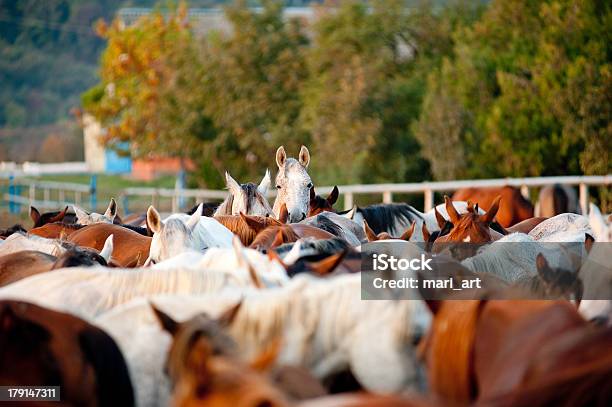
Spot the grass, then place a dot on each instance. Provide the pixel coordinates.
(110, 183)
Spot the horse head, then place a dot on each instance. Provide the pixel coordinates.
(246, 198)
(293, 184)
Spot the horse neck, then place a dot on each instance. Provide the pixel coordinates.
(278, 202)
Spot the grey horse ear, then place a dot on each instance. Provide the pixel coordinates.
(232, 185)
(111, 211)
(264, 184)
(281, 157)
(304, 157)
(153, 220)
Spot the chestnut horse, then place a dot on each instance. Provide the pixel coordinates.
(513, 208)
(205, 369)
(50, 217)
(470, 227)
(41, 347)
(272, 236)
(131, 248)
(498, 352)
(319, 204)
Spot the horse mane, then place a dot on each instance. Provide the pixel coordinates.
(71, 226)
(238, 227)
(138, 229)
(316, 247)
(17, 228)
(382, 217)
(328, 225)
(208, 208)
(113, 287)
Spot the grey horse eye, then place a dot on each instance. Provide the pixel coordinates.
(278, 187)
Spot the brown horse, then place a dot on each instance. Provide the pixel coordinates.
(56, 230)
(319, 204)
(498, 352)
(49, 217)
(275, 236)
(372, 236)
(40, 347)
(131, 248)
(239, 226)
(513, 209)
(470, 227)
(557, 199)
(18, 265)
(204, 368)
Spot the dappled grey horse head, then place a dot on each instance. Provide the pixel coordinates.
(293, 184)
(84, 218)
(171, 237)
(248, 198)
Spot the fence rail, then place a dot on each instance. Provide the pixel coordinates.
(79, 192)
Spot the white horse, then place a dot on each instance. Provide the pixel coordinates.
(566, 227)
(84, 218)
(244, 262)
(323, 326)
(513, 257)
(181, 233)
(248, 198)
(293, 184)
(602, 229)
(596, 276)
(89, 291)
(18, 242)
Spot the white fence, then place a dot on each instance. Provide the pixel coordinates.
(76, 193)
(8, 168)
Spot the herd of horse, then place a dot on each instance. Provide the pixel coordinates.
(249, 304)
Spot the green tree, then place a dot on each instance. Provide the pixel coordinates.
(251, 81)
(529, 81)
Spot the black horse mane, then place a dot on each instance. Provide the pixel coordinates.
(13, 229)
(208, 208)
(382, 217)
(328, 225)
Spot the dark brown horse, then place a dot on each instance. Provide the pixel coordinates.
(41, 347)
(131, 248)
(513, 208)
(50, 217)
(19, 265)
(319, 204)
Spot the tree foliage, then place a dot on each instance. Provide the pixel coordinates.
(378, 91)
(525, 93)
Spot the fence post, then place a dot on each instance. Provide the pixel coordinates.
(584, 198)
(348, 200)
(387, 197)
(46, 198)
(32, 194)
(428, 204)
(124, 203)
(13, 208)
(93, 196)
